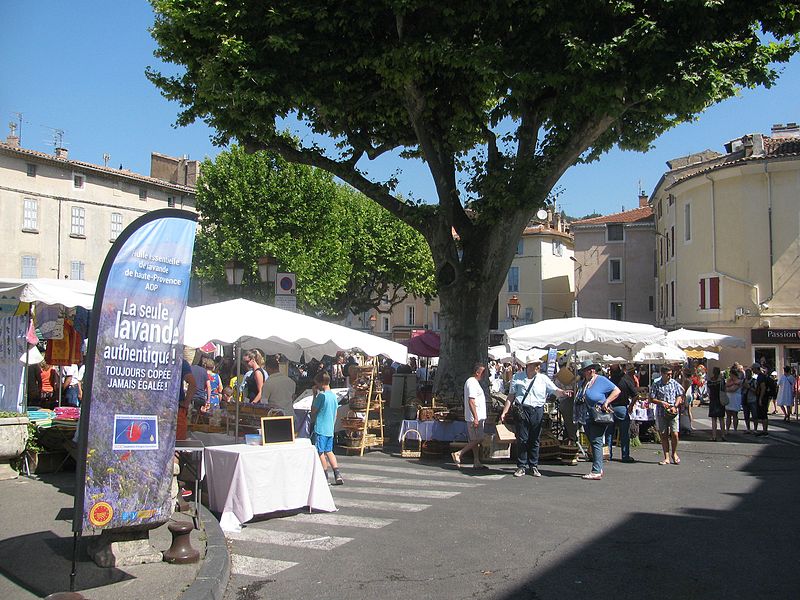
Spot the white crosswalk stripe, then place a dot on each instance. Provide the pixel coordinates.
(412, 493)
(416, 472)
(288, 538)
(257, 567)
(402, 488)
(342, 520)
(396, 481)
(380, 505)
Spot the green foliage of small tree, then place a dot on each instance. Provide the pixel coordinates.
(347, 252)
(498, 99)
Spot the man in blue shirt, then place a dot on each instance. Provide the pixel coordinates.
(668, 395)
(323, 420)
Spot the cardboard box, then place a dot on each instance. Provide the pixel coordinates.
(504, 434)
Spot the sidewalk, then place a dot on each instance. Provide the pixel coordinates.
(36, 546)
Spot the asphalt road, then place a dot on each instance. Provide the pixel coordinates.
(722, 524)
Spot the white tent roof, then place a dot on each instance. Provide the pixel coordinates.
(605, 336)
(688, 339)
(659, 354)
(274, 330)
(68, 292)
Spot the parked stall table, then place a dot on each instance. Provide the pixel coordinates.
(244, 481)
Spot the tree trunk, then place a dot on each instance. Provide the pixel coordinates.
(468, 290)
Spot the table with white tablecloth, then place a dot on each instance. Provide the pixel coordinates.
(643, 411)
(244, 481)
(443, 431)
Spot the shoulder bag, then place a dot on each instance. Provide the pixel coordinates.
(516, 407)
(723, 394)
(597, 415)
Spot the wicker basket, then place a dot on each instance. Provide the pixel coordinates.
(358, 403)
(425, 414)
(406, 452)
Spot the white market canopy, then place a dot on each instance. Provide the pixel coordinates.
(604, 336)
(659, 354)
(67, 292)
(275, 330)
(688, 339)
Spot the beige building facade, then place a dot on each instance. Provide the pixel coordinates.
(729, 245)
(59, 217)
(615, 275)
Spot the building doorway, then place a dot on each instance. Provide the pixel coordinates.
(766, 357)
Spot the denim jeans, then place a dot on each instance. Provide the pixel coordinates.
(622, 423)
(597, 435)
(528, 431)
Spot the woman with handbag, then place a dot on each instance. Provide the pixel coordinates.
(597, 392)
(716, 410)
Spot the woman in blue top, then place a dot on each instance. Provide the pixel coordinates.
(598, 392)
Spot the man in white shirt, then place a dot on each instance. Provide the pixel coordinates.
(529, 390)
(474, 415)
(278, 390)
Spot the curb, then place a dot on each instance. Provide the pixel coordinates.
(215, 569)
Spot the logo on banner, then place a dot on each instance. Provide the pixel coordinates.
(135, 432)
(101, 514)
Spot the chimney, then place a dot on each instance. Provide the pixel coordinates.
(13, 141)
(62, 153)
(643, 200)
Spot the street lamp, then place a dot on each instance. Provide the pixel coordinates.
(513, 309)
(268, 269)
(234, 272)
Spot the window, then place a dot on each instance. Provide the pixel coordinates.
(709, 293)
(30, 215)
(558, 248)
(116, 225)
(687, 223)
(436, 323)
(29, 269)
(671, 298)
(660, 208)
(171, 201)
(615, 311)
(615, 232)
(672, 237)
(76, 270)
(520, 246)
(614, 270)
(78, 181)
(31, 169)
(411, 317)
(671, 199)
(78, 223)
(384, 323)
(528, 315)
(142, 194)
(513, 279)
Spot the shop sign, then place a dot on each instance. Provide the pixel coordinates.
(775, 336)
(133, 374)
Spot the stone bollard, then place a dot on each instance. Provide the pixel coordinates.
(181, 551)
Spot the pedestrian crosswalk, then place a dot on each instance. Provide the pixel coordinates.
(379, 490)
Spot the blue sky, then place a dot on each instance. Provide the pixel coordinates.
(79, 66)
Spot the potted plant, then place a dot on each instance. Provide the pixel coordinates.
(13, 439)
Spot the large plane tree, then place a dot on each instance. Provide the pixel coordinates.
(498, 98)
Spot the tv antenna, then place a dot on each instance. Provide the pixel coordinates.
(58, 136)
(106, 158)
(17, 127)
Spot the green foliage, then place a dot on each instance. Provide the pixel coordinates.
(347, 252)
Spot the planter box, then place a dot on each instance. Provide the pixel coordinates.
(13, 438)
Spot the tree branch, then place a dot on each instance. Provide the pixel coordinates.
(342, 170)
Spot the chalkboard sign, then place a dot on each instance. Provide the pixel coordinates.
(277, 430)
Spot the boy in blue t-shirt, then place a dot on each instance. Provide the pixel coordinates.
(323, 420)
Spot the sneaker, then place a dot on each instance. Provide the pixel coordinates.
(533, 471)
(186, 493)
(338, 480)
(629, 459)
(592, 476)
(519, 472)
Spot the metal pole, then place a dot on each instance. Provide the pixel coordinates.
(237, 354)
(74, 571)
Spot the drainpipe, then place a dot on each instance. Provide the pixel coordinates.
(769, 233)
(714, 247)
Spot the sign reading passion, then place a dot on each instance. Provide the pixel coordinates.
(775, 336)
(133, 375)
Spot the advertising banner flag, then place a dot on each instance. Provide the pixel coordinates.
(133, 375)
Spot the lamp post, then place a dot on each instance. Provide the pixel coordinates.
(234, 272)
(268, 269)
(514, 307)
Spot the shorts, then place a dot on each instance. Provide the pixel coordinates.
(323, 443)
(475, 433)
(666, 426)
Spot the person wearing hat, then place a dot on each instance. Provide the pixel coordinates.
(668, 395)
(529, 390)
(598, 392)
